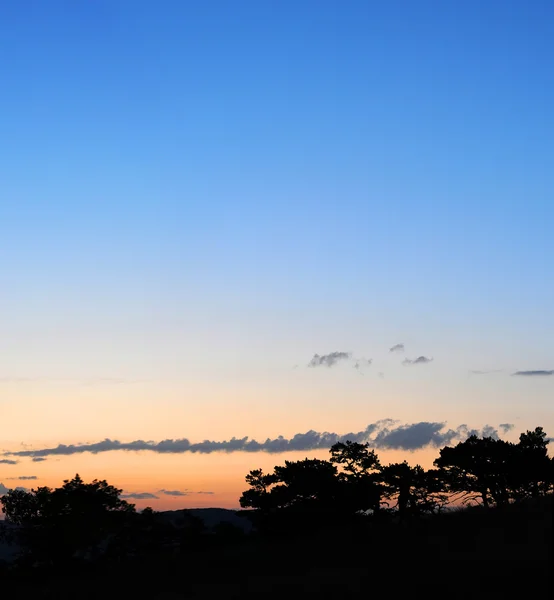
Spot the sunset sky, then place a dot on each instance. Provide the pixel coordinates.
(256, 219)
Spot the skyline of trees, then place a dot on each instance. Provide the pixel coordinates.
(480, 469)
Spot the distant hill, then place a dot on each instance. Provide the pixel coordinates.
(210, 517)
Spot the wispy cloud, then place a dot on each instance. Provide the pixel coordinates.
(139, 496)
(174, 492)
(361, 363)
(382, 434)
(397, 348)
(420, 360)
(505, 427)
(8, 461)
(207, 493)
(538, 373)
(477, 372)
(24, 477)
(329, 360)
(39, 459)
(333, 358)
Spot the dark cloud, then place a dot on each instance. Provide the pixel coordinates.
(425, 434)
(412, 437)
(397, 348)
(8, 461)
(329, 360)
(140, 496)
(386, 434)
(174, 493)
(39, 459)
(505, 427)
(209, 493)
(420, 360)
(539, 373)
(24, 477)
(311, 440)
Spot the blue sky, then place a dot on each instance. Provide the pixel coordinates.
(212, 192)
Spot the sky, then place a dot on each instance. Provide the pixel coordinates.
(256, 219)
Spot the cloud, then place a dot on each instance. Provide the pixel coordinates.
(39, 459)
(412, 437)
(361, 363)
(475, 372)
(174, 493)
(140, 496)
(505, 427)
(24, 477)
(210, 493)
(420, 360)
(487, 431)
(539, 373)
(329, 360)
(310, 440)
(397, 348)
(424, 435)
(385, 434)
(7, 461)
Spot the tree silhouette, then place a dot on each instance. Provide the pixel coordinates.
(360, 475)
(258, 495)
(478, 467)
(70, 521)
(295, 484)
(298, 494)
(305, 482)
(531, 469)
(415, 490)
(356, 459)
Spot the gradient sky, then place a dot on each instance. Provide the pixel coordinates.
(197, 197)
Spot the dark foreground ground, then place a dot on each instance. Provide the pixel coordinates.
(471, 554)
